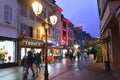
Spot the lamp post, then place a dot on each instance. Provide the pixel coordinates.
(37, 9)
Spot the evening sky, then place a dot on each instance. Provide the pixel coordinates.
(82, 13)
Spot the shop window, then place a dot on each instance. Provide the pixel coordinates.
(23, 53)
(7, 51)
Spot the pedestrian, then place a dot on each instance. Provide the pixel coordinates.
(41, 58)
(78, 55)
(85, 56)
(71, 57)
(74, 55)
(37, 58)
(82, 56)
(66, 55)
(30, 61)
(24, 64)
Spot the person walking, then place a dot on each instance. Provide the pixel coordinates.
(37, 58)
(24, 64)
(78, 56)
(81, 56)
(74, 55)
(71, 57)
(30, 61)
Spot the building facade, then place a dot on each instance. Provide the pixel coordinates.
(79, 37)
(66, 35)
(8, 33)
(36, 34)
(21, 30)
(82, 39)
(110, 32)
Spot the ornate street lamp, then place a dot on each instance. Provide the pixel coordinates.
(37, 8)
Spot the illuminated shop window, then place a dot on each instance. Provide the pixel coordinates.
(7, 51)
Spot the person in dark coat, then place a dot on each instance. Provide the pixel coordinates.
(24, 63)
(30, 61)
(37, 58)
(71, 56)
(78, 56)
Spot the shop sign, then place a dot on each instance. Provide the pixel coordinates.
(30, 43)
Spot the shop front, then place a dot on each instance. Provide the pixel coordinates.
(8, 52)
(26, 44)
(54, 53)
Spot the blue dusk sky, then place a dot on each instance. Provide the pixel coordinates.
(82, 13)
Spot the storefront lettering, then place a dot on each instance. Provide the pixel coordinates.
(31, 43)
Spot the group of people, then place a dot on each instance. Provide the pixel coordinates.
(80, 56)
(28, 61)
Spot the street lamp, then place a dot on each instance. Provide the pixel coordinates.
(37, 9)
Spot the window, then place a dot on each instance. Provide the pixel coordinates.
(7, 13)
(50, 32)
(64, 33)
(38, 33)
(42, 15)
(31, 15)
(64, 24)
(22, 28)
(23, 11)
(26, 31)
(31, 31)
(7, 51)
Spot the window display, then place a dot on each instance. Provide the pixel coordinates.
(7, 51)
(22, 52)
(25, 50)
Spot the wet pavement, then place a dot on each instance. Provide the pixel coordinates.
(64, 70)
